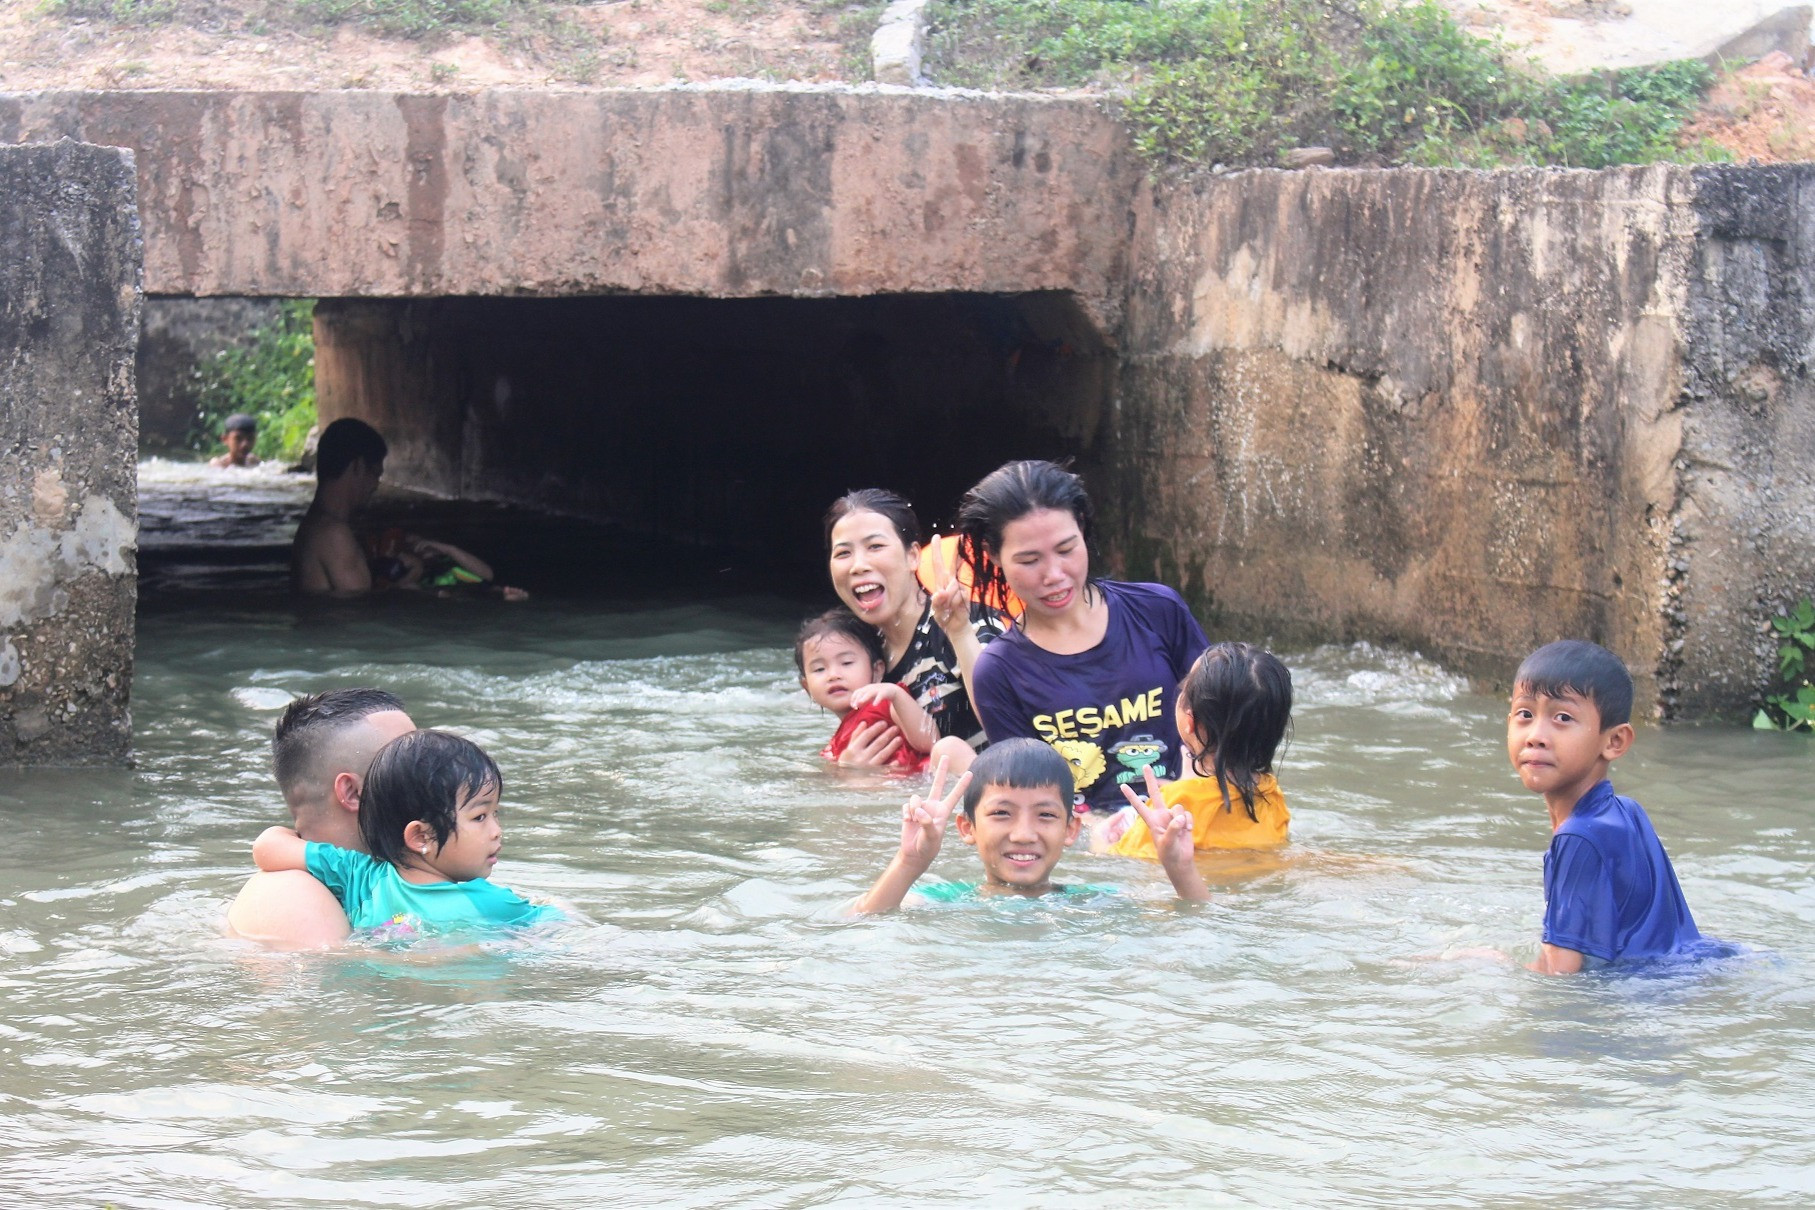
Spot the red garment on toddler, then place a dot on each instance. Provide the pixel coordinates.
(905, 760)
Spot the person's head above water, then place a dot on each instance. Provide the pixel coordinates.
(321, 749)
(1234, 708)
(836, 652)
(347, 443)
(1027, 526)
(430, 803)
(1017, 813)
(1571, 717)
(872, 548)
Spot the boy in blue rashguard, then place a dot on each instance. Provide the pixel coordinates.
(428, 812)
(1610, 893)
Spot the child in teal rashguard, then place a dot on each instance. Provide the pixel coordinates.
(428, 813)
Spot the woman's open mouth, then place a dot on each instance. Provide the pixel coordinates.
(867, 596)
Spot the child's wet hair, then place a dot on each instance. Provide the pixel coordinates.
(1583, 668)
(1020, 764)
(840, 622)
(424, 775)
(1240, 698)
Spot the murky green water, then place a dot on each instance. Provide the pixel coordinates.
(721, 1036)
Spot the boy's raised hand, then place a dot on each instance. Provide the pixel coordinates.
(1173, 838)
(923, 820)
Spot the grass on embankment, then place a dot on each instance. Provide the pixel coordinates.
(1241, 82)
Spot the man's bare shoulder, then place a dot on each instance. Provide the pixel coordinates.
(325, 556)
(287, 909)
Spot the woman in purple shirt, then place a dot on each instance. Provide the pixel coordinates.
(1093, 666)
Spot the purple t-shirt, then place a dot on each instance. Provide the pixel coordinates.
(1609, 889)
(1108, 710)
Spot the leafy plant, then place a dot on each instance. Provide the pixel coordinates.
(1244, 81)
(271, 377)
(1792, 707)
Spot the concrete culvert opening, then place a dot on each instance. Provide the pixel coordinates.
(714, 425)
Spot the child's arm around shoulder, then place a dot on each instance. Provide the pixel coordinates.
(923, 823)
(1172, 838)
(280, 849)
(917, 726)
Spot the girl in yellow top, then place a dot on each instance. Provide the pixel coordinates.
(1234, 707)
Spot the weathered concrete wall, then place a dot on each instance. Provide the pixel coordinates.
(1474, 412)
(729, 193)
(69, 319)
(732, 422)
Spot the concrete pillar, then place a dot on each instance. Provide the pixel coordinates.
(69, 322)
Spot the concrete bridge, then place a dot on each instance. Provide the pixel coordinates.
(1468, 412)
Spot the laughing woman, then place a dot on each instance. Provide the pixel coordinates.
(932, 639)
(1093, 666)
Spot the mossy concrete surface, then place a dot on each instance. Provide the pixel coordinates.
(1474, 412)
(69, 323)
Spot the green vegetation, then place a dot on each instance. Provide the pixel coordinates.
(1792, 706)
(271, 377)
(1241, 82)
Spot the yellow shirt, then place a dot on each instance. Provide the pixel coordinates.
(1212, 827)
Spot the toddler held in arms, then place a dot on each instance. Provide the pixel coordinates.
(1234, 706)
(840, 660)
(1018, 816)
(428, 813)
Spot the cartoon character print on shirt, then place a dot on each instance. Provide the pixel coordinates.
(1087, 764)
(1137, 753)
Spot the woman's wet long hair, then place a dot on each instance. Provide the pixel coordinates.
(1007, 494)
(1240, 698)
(423, 775)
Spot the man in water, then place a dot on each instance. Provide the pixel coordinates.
(321, 749)
(326, 557)
(239, 435)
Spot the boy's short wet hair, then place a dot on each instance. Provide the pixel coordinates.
(839, 622)
(425, 775)
(239, 422)
(1020, 764)
(345, 442)
(1580, 667)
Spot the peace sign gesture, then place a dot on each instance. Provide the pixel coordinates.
(923, 821)
(1172, 838)
(951, 603)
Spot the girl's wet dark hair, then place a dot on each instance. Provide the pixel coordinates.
(1021, 764)
(1584, 668)
(842, 622)
(1007, 494)
(1240, 699)
(898, 512)
(424, 775)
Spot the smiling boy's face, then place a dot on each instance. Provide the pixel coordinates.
(1020, 834)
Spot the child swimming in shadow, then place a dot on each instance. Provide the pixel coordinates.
(840, 659)
(428, 813)
(1017, 814)
(1234, 707)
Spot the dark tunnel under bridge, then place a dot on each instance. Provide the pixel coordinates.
(714, 423)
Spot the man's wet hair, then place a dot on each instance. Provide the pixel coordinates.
(1580, 667)
(345, 442)
(840, 622)
(424, 775)
(239, 422)
(310, 723)
(1020, 763)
